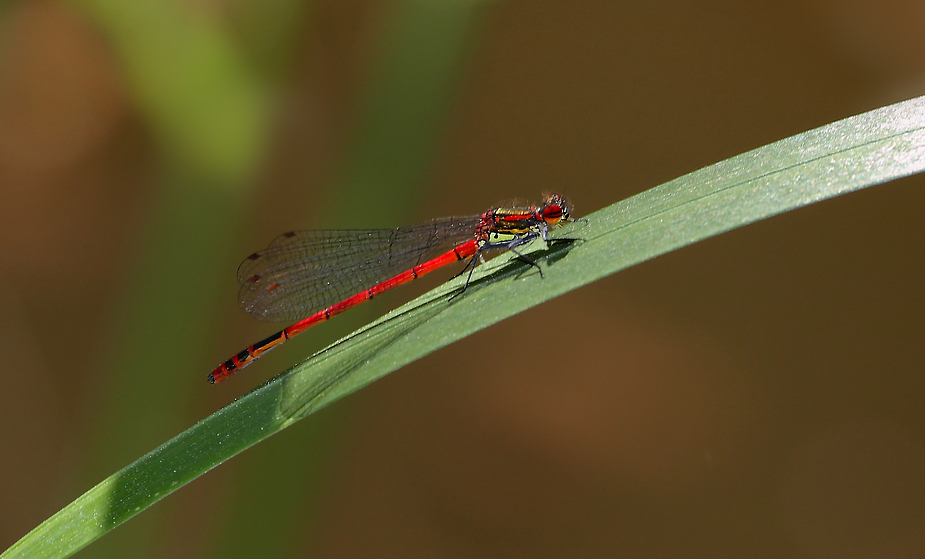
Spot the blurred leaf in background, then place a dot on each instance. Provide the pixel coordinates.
(209, 85)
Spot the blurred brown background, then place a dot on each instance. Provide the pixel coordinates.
(759, 394)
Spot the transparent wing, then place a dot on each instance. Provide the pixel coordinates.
(302, 272)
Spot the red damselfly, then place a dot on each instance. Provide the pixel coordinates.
(318, 274)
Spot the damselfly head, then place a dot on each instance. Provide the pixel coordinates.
(555, 209)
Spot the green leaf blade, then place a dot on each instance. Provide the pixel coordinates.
(845, 156)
